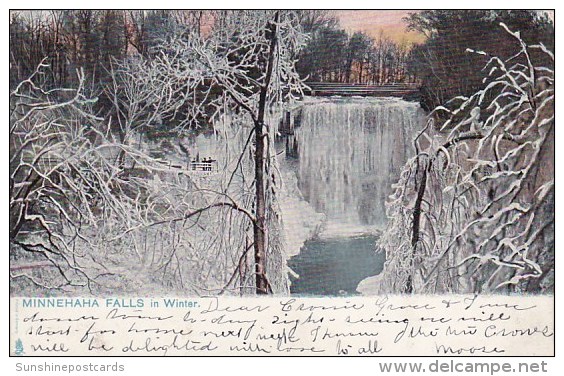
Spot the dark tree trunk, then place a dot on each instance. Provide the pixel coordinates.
(262, 285)
(259, 225)
(416, 225)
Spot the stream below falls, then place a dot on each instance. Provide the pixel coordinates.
(335, 267)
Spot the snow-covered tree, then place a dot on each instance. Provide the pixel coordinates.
(88, 210)
(243, 68)
(473, 211)
(64, 183)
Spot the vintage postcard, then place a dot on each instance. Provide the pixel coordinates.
(282, 183)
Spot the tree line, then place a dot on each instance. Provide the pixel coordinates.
(333, 55)
(441, 65)
(88, 39)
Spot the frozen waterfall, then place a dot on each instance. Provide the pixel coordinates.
(350, 152)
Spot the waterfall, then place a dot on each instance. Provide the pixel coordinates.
(350, 152)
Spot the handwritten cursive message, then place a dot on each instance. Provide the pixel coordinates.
(378, 326)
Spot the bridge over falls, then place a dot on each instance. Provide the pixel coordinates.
(408, 91)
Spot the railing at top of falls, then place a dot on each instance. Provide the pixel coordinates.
(401, 90)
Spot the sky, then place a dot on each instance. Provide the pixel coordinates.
(372, 21)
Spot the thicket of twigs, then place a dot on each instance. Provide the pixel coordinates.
(473, 211)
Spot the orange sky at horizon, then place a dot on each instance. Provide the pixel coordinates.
(372, 21)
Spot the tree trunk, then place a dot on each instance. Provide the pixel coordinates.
(416, 224)
(259, 227)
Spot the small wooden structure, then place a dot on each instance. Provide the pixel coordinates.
(205, 166)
